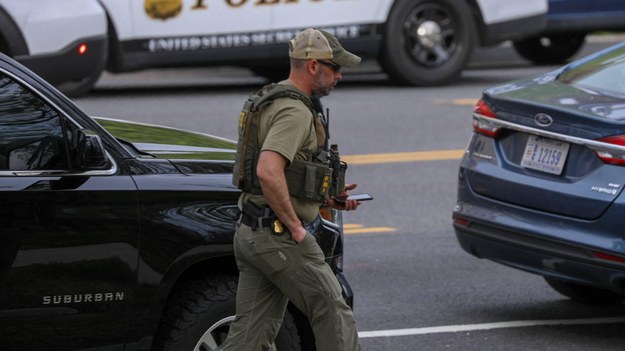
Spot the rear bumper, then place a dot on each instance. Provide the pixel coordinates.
(68, 65)
(589, 252)
(544, 258)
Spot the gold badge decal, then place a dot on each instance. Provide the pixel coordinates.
(162, 9)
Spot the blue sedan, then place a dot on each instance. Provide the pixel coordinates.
(541, 184)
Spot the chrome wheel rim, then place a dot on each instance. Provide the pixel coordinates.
(430, 35)
(217, 334)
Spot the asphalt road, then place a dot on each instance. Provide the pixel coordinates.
(415, 288)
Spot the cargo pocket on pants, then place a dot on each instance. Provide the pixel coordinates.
(269, 257)
(324, 279)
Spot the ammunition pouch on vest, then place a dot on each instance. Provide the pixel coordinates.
(316, 180)
(308, 180)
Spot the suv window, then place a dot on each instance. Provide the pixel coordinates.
(31, 131)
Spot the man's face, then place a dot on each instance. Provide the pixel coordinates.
(327, 76)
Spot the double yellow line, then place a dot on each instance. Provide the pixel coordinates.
(394, 158)
(413, 156)
(361, 229)
(399, 157)
(403, 157)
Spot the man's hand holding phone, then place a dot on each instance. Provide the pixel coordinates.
(357, 197)
(348, 202)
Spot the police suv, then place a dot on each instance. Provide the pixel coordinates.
(417, 42)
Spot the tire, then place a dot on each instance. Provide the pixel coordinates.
(199, 312)
(585, 294)
(550, 49)
(433, 59)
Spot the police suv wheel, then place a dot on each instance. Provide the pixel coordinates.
(427, 42)
(550, 49)
(199, 313)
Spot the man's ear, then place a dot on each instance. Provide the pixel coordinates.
(312, 67)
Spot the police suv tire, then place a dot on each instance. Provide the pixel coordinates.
(208, 304)
(585, 294)
(411, 59)
(550, 49)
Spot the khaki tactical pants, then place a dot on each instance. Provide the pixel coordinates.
(275, 269)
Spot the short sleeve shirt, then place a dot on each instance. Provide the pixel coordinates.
(287, 127)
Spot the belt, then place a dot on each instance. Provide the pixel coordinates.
(268, 219)
(255, 222)
(256, 216)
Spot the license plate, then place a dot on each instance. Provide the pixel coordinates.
(546, 155)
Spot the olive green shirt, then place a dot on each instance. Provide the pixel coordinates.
(287, 127)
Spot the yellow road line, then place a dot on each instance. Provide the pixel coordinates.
(369, 230)
(461, 102)
(352, 226)
(403, 157)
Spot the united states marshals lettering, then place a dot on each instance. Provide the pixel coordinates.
(237, 40)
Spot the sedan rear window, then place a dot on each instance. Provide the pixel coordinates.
(604, 74)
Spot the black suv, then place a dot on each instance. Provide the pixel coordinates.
(117, 235)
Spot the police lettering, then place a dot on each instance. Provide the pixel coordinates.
(226, 41)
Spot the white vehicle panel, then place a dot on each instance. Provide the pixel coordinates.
(119, 12)
(495, 11)
(214, 17)
(49, 26)
(132, 20)
(330, 12)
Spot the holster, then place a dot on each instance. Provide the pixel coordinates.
(254, 216)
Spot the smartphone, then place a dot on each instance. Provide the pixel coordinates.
(359, 197)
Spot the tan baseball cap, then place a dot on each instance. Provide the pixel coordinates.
(317, 44)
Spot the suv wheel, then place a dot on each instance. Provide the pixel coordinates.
(584, 293)
(199, 313)
(427, 42)
(550, 49)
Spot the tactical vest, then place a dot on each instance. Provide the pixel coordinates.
(316, 178)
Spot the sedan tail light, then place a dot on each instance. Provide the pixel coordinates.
(609, 257)
(481, 125)
(610, 156)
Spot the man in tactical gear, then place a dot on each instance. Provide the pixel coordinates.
(286, 171)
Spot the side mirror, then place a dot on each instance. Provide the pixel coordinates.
(90, 152)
